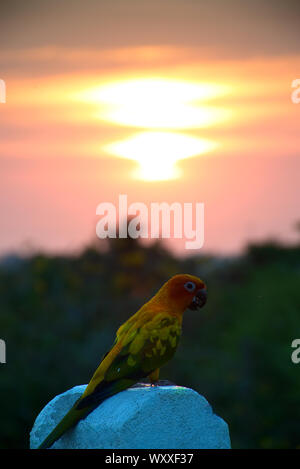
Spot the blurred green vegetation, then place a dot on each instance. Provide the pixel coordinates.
(58, 315)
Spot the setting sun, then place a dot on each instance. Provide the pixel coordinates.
(158, 103)
(158, 152)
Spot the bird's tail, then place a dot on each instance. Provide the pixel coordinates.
(69, 420)
(83, 406)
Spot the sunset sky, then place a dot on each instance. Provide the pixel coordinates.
(165, 101)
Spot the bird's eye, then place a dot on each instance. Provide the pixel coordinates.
(190, 286)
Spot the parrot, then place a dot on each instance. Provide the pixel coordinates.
(143, 344)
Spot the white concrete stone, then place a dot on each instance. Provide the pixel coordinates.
(162, 417)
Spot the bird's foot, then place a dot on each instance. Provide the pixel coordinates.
(164, 382)
(147, 383)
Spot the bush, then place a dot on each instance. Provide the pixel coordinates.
(59, 316)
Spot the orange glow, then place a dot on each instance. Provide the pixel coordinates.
(79, 136)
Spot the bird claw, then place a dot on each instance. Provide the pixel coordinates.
(147, 384)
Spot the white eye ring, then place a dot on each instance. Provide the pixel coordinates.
(190, 286)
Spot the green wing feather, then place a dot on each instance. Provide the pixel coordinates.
(146, 346)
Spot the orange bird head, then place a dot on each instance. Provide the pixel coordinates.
(184, 291)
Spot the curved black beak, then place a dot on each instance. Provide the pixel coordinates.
(199, 299)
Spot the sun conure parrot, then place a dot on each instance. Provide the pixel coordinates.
(145, 342)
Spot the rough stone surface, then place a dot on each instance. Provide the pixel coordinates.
(162, 417)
